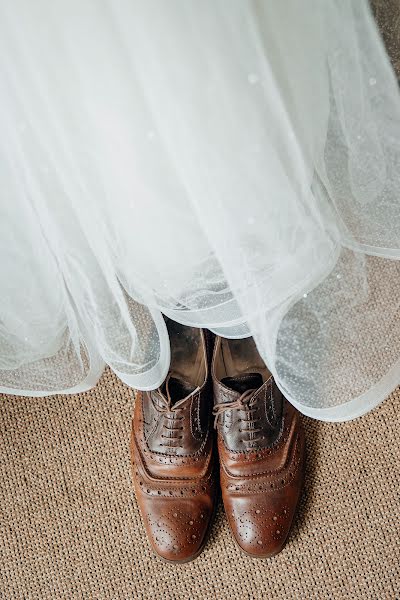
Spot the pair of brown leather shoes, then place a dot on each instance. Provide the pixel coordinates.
(260, 447)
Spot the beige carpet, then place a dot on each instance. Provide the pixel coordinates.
(70, 527)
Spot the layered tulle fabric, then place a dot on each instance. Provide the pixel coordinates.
(233, 165)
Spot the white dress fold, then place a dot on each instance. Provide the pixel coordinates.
(233, 164)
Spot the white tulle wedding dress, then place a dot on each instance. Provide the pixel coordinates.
(233, 164)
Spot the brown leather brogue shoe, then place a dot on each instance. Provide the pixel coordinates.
(172, 450)
(261, 448)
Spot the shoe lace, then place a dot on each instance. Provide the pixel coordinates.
(250, 420)
(173, 418)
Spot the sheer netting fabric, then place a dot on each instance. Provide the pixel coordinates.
(232, 165)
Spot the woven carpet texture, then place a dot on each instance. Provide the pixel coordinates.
(70, 527)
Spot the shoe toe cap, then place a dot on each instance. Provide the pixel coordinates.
(177, 529)
(259, 528)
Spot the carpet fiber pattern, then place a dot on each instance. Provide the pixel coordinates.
(70, 526)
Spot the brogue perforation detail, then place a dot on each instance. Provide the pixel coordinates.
(252, 524)
(268, 481)
(177, 530)
(172, 492)
(196, 411)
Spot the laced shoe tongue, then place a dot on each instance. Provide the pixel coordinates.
(178, 389)
(244, 382)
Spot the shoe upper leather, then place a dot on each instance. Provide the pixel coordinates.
(261, 451)
(173, 464)
(176, 423)
(255, 417)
